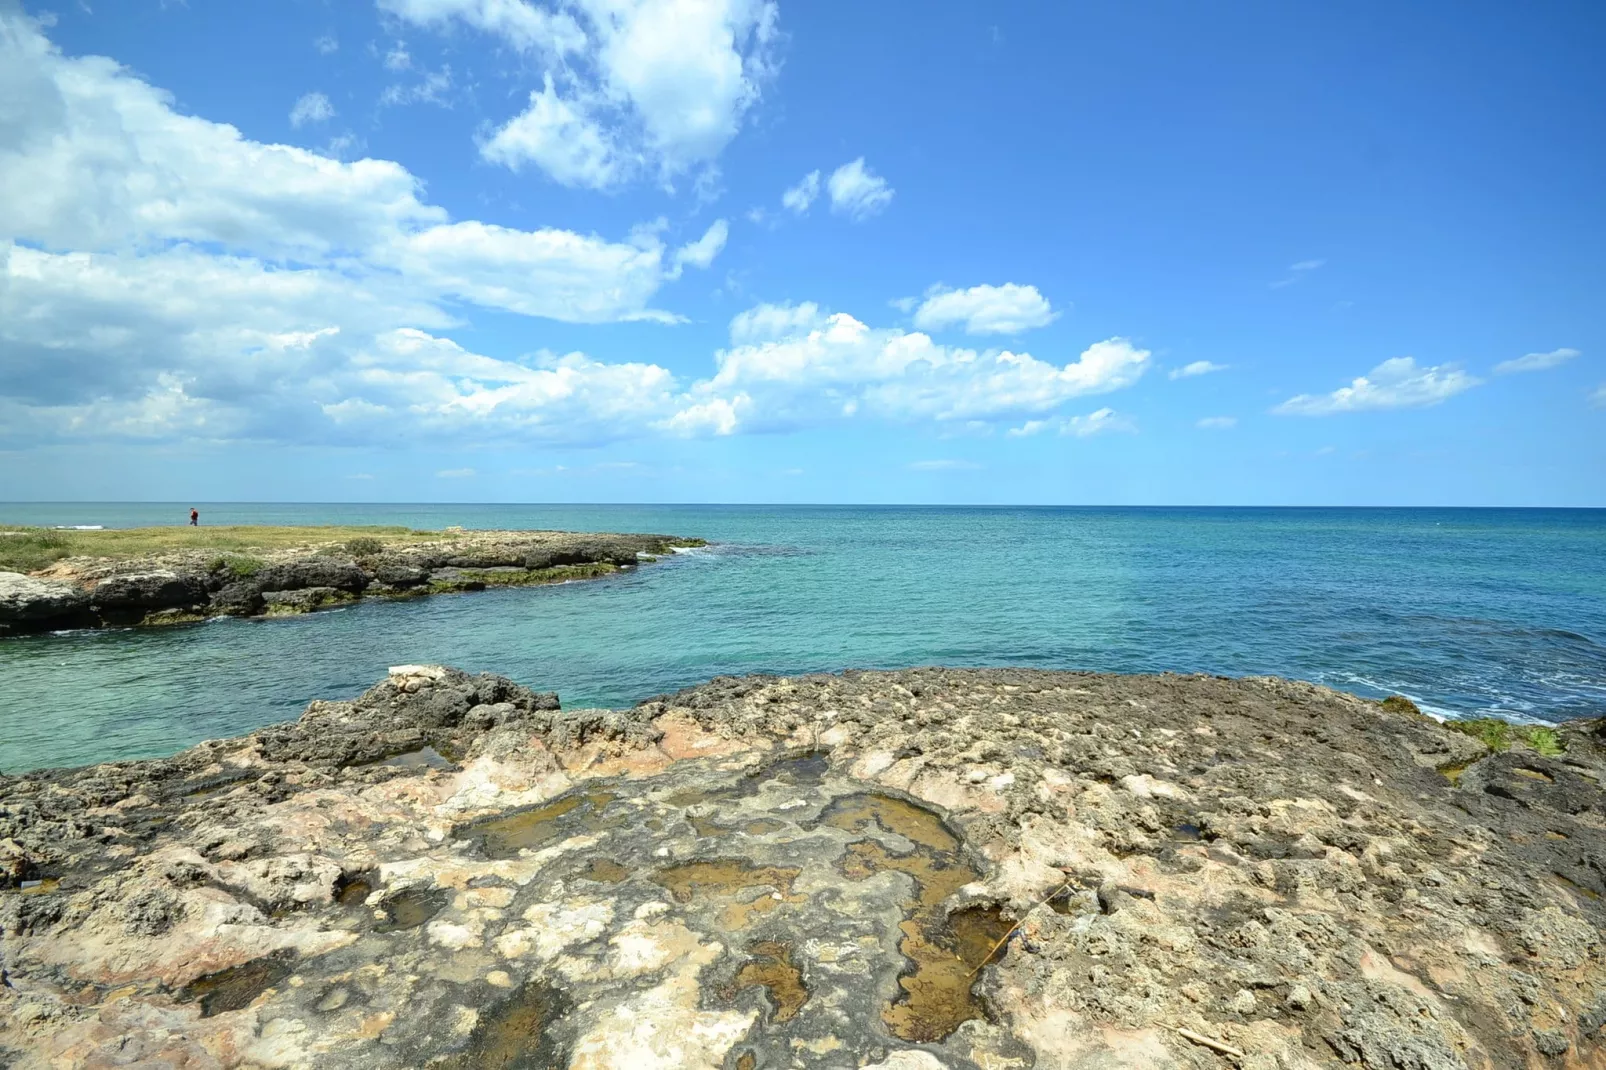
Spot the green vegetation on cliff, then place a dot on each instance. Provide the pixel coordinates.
(1499, 735)
(30, 549)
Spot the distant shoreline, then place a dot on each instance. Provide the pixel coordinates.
(57, 579)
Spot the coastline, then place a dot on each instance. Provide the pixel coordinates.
(762, 871)
(166, 579)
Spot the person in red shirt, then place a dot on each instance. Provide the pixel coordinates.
(195, 519)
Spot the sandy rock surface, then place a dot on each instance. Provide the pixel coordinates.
(914, 870)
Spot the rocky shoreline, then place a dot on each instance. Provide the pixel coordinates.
(908, 870)
(189, 585)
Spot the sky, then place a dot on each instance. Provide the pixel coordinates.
(749, 251)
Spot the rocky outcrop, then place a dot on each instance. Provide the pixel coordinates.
(914, 870)
(179, 587)
(35, 604)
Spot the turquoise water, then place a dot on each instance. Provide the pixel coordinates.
(1470, 612)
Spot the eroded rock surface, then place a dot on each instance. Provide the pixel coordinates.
(182, 586)
(920, 869)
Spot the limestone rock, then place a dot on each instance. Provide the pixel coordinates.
(27, 601)
(910, 870)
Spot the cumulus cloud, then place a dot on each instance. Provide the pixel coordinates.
(163, 275)
(1394, 384)
(629, 88)
(164, 278)
(1217, 423)
(797, 199)
(326, 45)
(857, 192)
(798, 366)
(1598, 398)
(559, 138)
(1198, 367)
(1006, 309)
(311, 108)
(1535, 362)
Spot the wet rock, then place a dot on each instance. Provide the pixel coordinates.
(304, 600)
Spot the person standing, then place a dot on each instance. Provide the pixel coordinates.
(195, 518)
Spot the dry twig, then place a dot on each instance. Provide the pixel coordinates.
(1213, 1045)
(1015, 927)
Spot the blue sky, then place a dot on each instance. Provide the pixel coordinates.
(731, 250)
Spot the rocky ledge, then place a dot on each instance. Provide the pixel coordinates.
(190, 585)
(912, 870)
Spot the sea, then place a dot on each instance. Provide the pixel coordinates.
(1469, 612)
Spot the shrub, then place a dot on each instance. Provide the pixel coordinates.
(364, 546)
(244, 567)
(1400, 704)
(1544, 740)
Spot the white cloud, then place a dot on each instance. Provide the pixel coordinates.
(944, 464)
(1006, 309)
(1598, 398)
(797, 199)
(1394, 384)
(312, 108)
(398, 58)
(800, 366)
(1217, 423)
(1296, 272)
(1198, 367)
(431, 88)
(629, 87)
(857, 192)
(561, 140)
(1095, 422)
(701, 253)
(1535, 362)
(326, 45)
(527, 27)
(161, 275)
(456, 473)
(773, 323)
(717, 416)
(164, 278)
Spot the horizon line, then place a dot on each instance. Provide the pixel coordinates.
(181, 502)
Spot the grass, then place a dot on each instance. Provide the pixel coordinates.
(1500, 735)
(30, 549)
(1401, 704)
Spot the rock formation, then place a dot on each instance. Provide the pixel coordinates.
(192, 585)
(914, 870)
